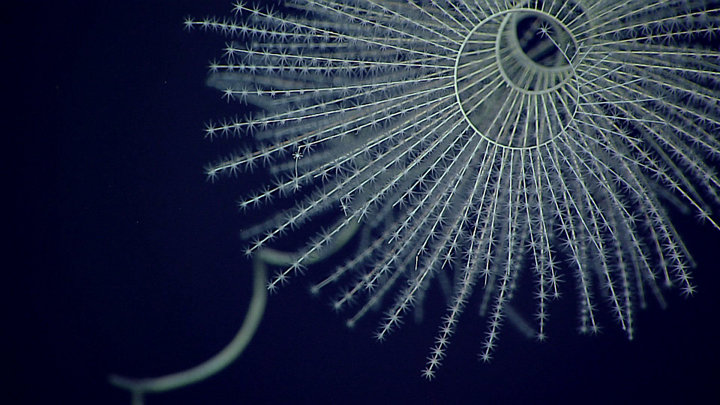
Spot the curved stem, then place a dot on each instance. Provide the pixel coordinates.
(139, 386)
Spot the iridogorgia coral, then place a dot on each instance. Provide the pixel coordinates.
(480, 139)
(477, 140)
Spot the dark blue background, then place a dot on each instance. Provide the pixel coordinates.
(122, 258)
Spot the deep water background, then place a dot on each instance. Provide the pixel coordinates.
(123, 258)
